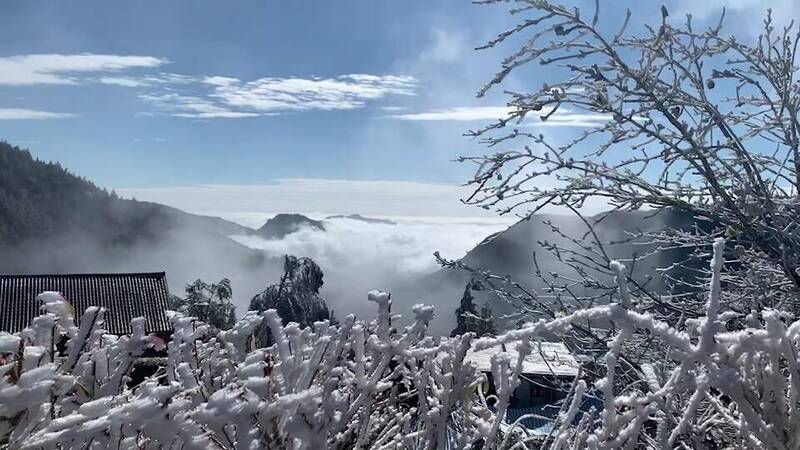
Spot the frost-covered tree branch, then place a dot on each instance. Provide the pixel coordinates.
(690, 119)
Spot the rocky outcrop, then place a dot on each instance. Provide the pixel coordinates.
(296, 297)
(467, 317)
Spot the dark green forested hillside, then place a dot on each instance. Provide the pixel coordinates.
(42, 199)
(36, 198)
(54, 221)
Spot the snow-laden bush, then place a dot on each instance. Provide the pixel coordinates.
(371, 386)
(718, 389)
(359, 385)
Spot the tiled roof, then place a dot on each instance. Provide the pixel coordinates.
(124, 295)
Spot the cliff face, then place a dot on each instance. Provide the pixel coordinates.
(296, 297)
(468, 319)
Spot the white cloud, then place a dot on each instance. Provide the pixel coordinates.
(124, 81)
(161, 79)
(171, 78)
(192, 107)
(461, 113)
(62, 69)
(31, 114)
(299, 94)
(226, 97)
(562, 118)
(406, 247)
(204, 97)
(569, 119)
(357, 257)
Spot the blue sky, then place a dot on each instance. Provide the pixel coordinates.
(145, 94)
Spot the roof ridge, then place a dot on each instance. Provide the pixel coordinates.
(78, 275)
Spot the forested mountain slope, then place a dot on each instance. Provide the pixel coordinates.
(54, 221)
(511, 253)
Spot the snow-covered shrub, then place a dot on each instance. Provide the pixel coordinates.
(718, 388)
(358, 385)
(368, 385)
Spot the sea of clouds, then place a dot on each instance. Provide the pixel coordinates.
(357, 256)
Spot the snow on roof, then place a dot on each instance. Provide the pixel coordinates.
(546, 358)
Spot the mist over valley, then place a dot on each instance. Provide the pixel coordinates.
(90, 230)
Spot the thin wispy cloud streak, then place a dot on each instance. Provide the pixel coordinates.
(492, 113)
(463, 113)
(188, 106)
(164, 79)
(66, 69)
(124, 81)
(31, 114)
(226, 97)
(298, 94)
(569, 119)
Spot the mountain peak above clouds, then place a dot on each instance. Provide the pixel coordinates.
(283, 225)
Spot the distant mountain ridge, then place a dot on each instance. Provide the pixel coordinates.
(510, 252)
(361, 218)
